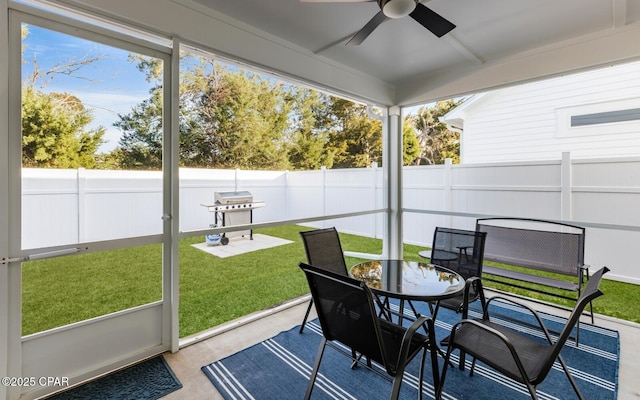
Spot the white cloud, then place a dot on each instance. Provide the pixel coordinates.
(106, 107)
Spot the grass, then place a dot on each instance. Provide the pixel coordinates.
(63, 290)
(621, 300)
(59, 291)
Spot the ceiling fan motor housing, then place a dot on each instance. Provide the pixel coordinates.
(397, 8)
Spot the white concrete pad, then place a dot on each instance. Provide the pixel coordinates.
(241, 245)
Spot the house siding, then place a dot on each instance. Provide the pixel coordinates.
(531, 121)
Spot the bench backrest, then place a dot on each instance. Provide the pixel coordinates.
(537, 244)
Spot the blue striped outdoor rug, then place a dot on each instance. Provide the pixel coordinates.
(279, 368)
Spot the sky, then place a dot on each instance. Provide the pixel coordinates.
(110, 86)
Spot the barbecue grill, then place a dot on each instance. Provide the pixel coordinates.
(233, 208)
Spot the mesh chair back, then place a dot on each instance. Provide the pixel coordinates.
(346, 311)
(459, 250)
(324, 250)
(548, 246)
(463, 252)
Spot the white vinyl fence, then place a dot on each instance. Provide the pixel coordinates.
(73, 206)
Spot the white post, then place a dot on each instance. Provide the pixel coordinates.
(9, 340)
(171, 203)
(392, 160)
(10, 203)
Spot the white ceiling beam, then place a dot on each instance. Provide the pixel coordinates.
(462, 49)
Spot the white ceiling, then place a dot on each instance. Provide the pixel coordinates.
(495, 43)
(402, 48)
(401, 51)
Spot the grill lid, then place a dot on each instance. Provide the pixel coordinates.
(233, 197)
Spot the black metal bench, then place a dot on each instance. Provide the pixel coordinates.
(535, 245)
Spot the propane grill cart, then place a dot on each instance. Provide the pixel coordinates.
(232, 208)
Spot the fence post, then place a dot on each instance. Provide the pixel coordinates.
(82, 204)
(286, 194)
(374, 172)
(323, 170)
(448, 193)
(566, 186)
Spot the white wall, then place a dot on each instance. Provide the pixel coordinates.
(531, 121)
(64, 207)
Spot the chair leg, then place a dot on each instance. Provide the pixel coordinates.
(421, 375)
(434, 366)
(439, 388)
(357, 358)
(568, 374)
(473, 366)
(532, 391)
(578, 323)
(461, 360)
(316, 367)
(306, 315)
(397, 382)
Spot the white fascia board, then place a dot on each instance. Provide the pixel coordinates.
(456, 116)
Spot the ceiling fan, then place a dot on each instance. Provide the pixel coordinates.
(428, 18)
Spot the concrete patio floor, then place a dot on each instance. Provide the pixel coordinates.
(237, 335)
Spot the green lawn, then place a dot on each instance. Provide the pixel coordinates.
(63, 290)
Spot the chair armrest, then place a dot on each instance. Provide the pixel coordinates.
(584, 270)
(465, 299)
(408, 336)
(533, 312)
(416, 325)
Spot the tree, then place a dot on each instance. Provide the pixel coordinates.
(140, 146)
(54, 133)
(231, 118)
(308, 139)
(410, 144)
(55, 130)
(228, 119)
(355, 138)
(244, 117)
(437, 142)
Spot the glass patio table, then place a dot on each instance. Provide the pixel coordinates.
(407, 281)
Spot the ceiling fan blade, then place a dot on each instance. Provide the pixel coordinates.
(431, 20)
(367, 29)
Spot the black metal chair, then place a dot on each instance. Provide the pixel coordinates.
(515, 355)
(461, 251)
(348, 315)
(323, 250)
